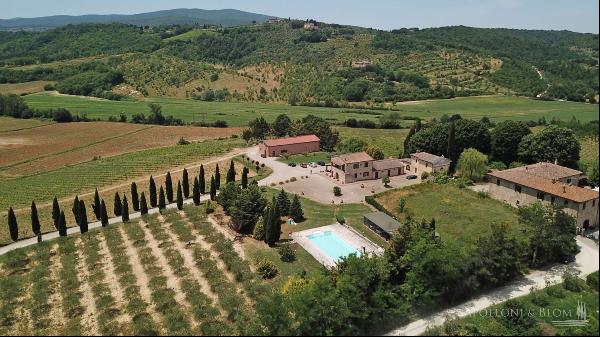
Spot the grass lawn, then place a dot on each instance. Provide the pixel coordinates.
(460, 214)
(391, 142)
(307, 158)
(239, 114)
(554, 303)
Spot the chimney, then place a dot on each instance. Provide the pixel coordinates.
(554, 181)
(564, 189)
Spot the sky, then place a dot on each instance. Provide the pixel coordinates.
(575, 15)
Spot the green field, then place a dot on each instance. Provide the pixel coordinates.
(191, 35)
(391, 142)
(239, 114)
(460, 214)
(554, 303)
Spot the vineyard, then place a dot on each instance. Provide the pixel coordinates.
(171, 274)
(109, 175)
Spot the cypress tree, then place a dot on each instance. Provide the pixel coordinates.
(143, 205)
(62, 224)
(96, 205)
(135, 201)
(153, 197)
(230, 173)
(125, 210)
(196, 192)
(103, 214)
(35, 220)
(186, 184)
(82, 215)
(13, 226)
(55, 212)
(407, 149)
(296, 211)
(452, 150)
(118, 207)
(179, 196)
(202, 180)
(283, 203)
(169, 187)
(245, 177)
(217, 177)
(272, 224)
(75, 209)
(213, 189)
(162, 204)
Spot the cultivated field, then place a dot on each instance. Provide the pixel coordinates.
(47, 148)
(23, 88)
(172, 274)
(460, 214)
(9, 124)
(238, 114)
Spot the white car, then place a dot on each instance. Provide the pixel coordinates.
(313, 165)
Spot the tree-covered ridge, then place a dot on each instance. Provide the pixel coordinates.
(317, 66)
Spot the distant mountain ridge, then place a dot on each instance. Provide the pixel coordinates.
(224, 17)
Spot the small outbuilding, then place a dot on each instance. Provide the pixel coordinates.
(289, 146)
(381, 223)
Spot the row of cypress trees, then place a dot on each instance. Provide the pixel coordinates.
(138, 202)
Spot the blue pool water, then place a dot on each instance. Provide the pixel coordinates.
(332, 245)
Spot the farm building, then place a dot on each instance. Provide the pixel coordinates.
(291, 145)
(381, 223)
(353, 167)
(427, 162)
(549, 184)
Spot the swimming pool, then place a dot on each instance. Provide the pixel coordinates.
(332, 245)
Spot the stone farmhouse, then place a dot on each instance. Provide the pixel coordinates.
(353, 167)
(289, 146)
(550, 184)
(427, 162)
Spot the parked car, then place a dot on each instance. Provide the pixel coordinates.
(412, 177)
(292, 164)
(303, 165)
(321, 163)
(313, 165)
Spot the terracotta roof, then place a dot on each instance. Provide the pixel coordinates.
(549, 171)
(351, 158)
(556, 188)
(292, 140)
(431, 158)
(387, 164)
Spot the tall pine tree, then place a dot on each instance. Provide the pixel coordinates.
(196, 192)
(185, 184)
(62, 224)
(162, 203)
(217, 177)
(230, 173)
(202, 180)
(96, 205)
(245, 177)
(169, 187)
(179, 196)
(143, 205)
(103, 214)
(75, 209)
(13, 226)
(135, 201)
(125, 210)
(118, 206)
(153, 195)
(55, 212)
(213, 189)
(296, 211)
(283, 203)
(82, 215)
(272, 224)
(35, 220)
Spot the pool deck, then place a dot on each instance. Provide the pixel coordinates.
(354, 239)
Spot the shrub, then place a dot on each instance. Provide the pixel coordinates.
(286, 253)
(266, 269)
(183, 141)
(259, 230)
(572, 283)
(337, 191)
(483, 195)
(592, 280)
(208, 207)
(424, 175)
(340, 219)
(556, 292)
(292, 179)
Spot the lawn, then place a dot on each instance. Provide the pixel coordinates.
(460, 214)
(391, 142)
(238, 114)
(554, 303)
(314, 157)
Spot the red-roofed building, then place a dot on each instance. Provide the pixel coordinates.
(291, 145)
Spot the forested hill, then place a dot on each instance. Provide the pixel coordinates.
(304, 62)
(222, 17)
